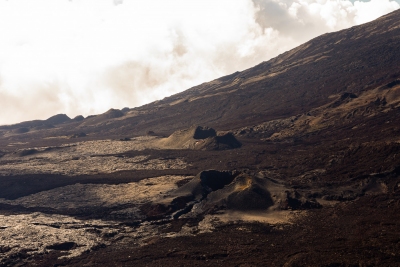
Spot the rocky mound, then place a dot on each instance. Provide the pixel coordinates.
(247, 192)
(112, 114)
(204, 183)
(78, 118)
(57, 119)
(227, 141)
(230, 190)
(200, 138)
(38, 125)
(109, 115)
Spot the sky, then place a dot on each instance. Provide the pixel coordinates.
(83, 57)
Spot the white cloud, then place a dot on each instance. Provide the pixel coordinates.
(371, 10)
(86, 56)
(305, 19)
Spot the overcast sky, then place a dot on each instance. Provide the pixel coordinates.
(87, 56)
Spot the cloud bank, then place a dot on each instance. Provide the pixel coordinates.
(86, 56)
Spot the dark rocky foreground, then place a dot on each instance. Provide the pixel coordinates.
(361, 233)
(313, 144)
(358, 225)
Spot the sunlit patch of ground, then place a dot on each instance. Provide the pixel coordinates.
(90, 157)
(270, 217)
(100, 195)
(36, 233)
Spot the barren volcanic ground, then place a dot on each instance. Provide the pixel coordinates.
(301, 168)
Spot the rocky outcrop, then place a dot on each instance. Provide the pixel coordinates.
(200, 138)
(236, 191)
(248, 193)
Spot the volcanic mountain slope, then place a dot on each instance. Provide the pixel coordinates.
(301, 168)
(354, 61)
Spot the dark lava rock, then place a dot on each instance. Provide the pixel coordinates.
(227, 141)
(203, 132)
(295, 201)
(347, 95)
(215, 180)
(204, 183)
(393, 84)
(63, 246)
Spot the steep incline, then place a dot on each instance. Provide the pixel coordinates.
(354, 60)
